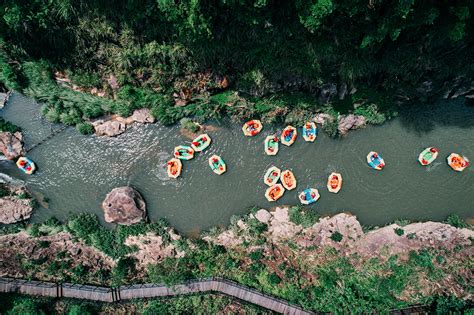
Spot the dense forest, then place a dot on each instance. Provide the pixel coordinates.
(189, 57)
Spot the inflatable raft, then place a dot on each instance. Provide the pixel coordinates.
(174, 167)
(288, 136)
(26, 165)
(274, 192)
(271, 145)
(375, 161)
(288, 180)
(272, 176)
(458, 162)
(309, 196)
(310, 131)
(217, 164)
(252, 128)
(201, 142)
(183, 152)
(428, 156)
(334, 182)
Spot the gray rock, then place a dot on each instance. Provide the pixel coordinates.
(348, 122)
(13, 209)
(110, 128)
(124, 205)
(11, 145)
(322, 118)
(143, 116)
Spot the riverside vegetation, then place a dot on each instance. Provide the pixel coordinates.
(304, 259)
(280, 61)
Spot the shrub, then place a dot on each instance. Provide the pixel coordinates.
(256, 255)
(399, 231)
(189, 125)
(27, 306)
(85, 128)
(299, 216)
(8, 126)
(336, 236)
(78, 309)
(273, 279)
(331, 128)
(456, 221)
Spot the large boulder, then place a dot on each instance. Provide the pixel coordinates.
(124, 205)
(109, 128)
(143, 116)
(11, 144)
(348, 122)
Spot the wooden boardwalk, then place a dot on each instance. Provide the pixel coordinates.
(106, 294)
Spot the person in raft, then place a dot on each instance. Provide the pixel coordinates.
(24, 165)
(216, 165)
(196, 144)
(309, 196)
(287, 135)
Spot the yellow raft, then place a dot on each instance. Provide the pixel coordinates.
(274, 192)
(252, 128)
(217, 164)
(201, 142)
(183, 152)
(174, 167)
(288, 180)
(272, 176)
(334, 182)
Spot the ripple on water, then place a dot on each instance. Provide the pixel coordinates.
(75, 172)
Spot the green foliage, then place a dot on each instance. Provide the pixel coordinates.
(85, 128)
(304, 217)
(25, 307)
(336, 236)
(449, 305)
(456, 221)
(8, 126)
(78, 309)
(399, 231)
(4, 191)
(189, 125)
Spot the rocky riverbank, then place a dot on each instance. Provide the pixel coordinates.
(15, 203)
(279, 250)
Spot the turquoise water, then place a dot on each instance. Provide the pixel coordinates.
(75, 172)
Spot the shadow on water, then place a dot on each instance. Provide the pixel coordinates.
(423, 118)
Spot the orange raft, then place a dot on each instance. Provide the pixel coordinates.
(457, 162)
(252, 128)
(288, 180)
(288, 136)
(274, 192)
(334, 182)
(174, 167)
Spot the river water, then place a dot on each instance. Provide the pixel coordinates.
(75, 172)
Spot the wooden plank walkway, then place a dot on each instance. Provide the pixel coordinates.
(105, 294)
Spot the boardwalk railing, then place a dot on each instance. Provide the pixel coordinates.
(105, 294)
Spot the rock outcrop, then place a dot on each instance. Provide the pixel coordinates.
(109, 128)
(143, 116)
(15, 247)
(381, 242)
(12, 208)
(115, 125)
(350, 122)
(11, 144)
(124, 205)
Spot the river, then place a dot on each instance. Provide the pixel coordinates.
(75, 172)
